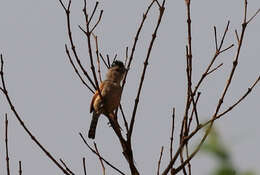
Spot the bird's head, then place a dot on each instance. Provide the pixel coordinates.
(117, 71)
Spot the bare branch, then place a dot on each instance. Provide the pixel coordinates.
(215, 115)
(76, 70)
(101, 162)
(20, 168)
(66, 167)
(84, 166)
(191, 116)
(126, 55)
(95, 8)
(6, 146)
(245, 11)
(237, 36)
(253, 16)
(204, 75)
(98, 60)
(63, 5)
(144, 71)
(88, 35)
(103, 60)
(159, 5)
(115, 57)
(216, 39)
(229, 47)
(67, 11)
(240, 100)
(125, 121)
(213, 70)
(172, 131)
(224, 36)
(159, 162)
(135, 42)
(108, 61)
(99, 19)
(91, 149)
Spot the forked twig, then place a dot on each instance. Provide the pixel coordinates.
(240, 99)
(99, 19)
(67, 11)
(93, 12)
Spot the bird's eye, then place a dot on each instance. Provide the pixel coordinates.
(118, 70)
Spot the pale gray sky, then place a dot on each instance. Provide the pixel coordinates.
(55, 106)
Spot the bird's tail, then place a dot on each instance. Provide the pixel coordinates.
(93, 126)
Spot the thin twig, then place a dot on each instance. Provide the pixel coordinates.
(240, 99)
(214, 69)
(93, 12)
(115, 57)
(108, 61)
(172, 131)
(249, 90)
(237, 36)
(159, 5)
(20, 168)
(76, 70)
(204, 75)
(98, 60)
(135, 42)
(101, 162)
(103, 60)
(84, 166)
(215, 37)
(126, 55)
(229, 47)
(182, 161)
(67, 168)
(124, 118)
(6, 145)
(159, 162)
(91, 149)
(191, 116)
(88, 35)
(144, 71)
(67, 11)
(187, 155)
(224, 36)
(253, 16)
(99, 19)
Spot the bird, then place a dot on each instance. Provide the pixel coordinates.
(111, 91)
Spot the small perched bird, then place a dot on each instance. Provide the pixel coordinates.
(111, 91)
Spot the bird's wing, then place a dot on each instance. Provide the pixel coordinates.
(95, 96)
